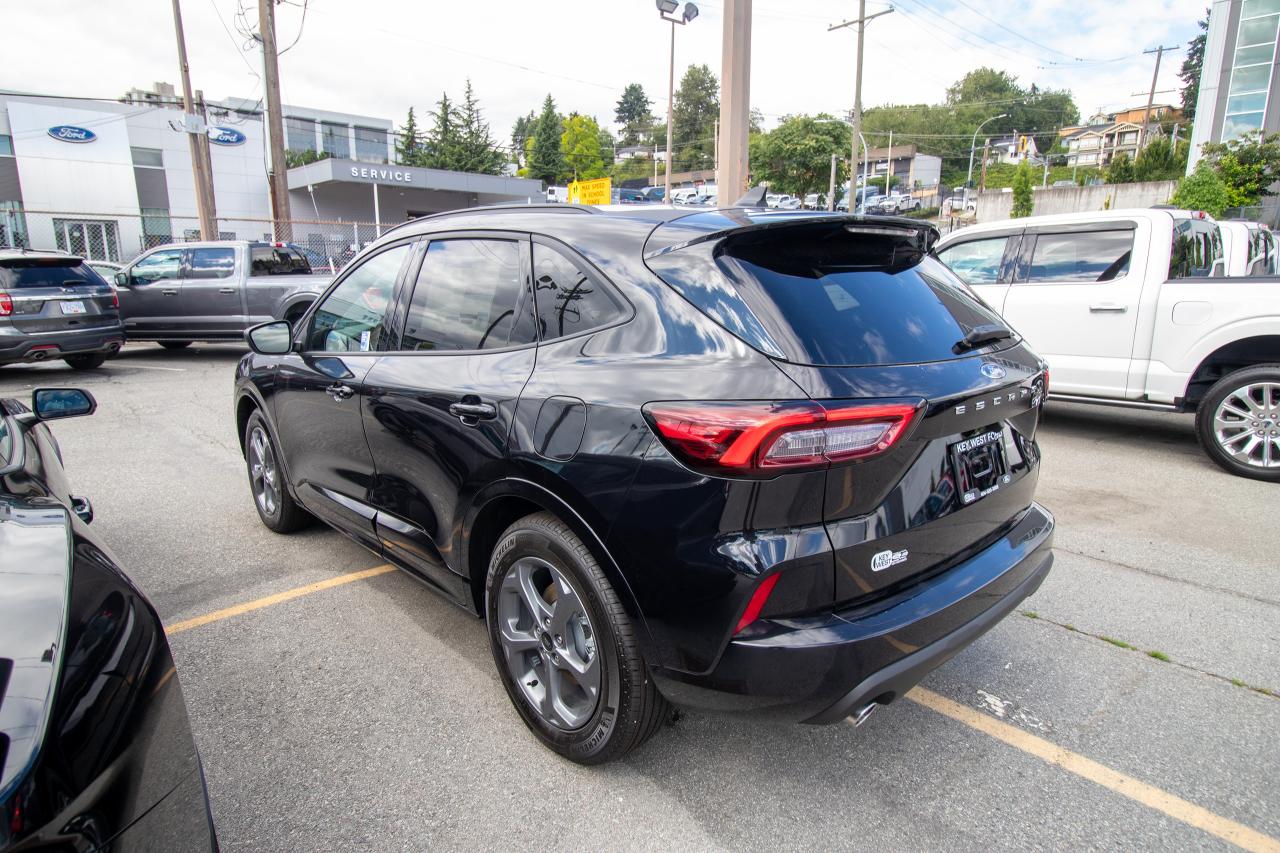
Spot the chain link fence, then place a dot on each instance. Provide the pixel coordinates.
(118, 238)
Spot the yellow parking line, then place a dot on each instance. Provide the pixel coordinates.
(1047, 751)
(1140, 792)
(278, 598)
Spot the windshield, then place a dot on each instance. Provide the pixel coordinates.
(823, 295)
(19, 273)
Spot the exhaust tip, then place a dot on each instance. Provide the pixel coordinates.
(863, 713)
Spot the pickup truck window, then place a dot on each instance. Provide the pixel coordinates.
(277, 260)
(159, 266)
(1083, 256)
(1197, 247)
(976, 261)
(212, 263)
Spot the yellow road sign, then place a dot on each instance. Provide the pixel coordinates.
(599, 191)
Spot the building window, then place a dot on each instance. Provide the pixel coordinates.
(13, 225)
(371, 145)
(335, 141)
(1251, 68)
(151, 157)
(300, 133)
(156, 227)
(91, 239)
(6, 145)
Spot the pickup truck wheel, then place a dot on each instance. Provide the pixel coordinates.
(565, 649)
(1238, 422)
(175, 344)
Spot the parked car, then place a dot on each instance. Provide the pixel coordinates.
(1122, 306)
(644, 444)
(865, 196)
(628, 195)
(557, 195)
(94, 735)
(54, 306)
(782, 201)
(896, 203)
(213, 291)
(1249, 248)
(654, 194)
(106, 269)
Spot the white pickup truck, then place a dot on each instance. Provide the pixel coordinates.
(1133, 308)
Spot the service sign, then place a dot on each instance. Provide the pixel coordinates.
(599, 191)
(71, 133)
(226, 136)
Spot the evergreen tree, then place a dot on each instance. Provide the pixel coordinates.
(1023, 196)
(696, 110)
(608, 147)
(476, 151)
(545, 160)
(1160, 162)
(633, 114)
(1190, 70)
(1120, 171)
(521, 132)
(409, 148)
(442, 140)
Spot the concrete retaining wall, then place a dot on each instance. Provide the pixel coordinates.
(994, 205)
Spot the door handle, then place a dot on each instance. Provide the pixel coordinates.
(1108, 308)
(340, 392)
(473, 413)
(169, 291)
(226, 290)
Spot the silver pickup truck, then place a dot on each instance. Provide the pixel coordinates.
(213, 291)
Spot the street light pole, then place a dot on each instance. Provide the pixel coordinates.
(666, 8)
(973, 143)
(861, 22)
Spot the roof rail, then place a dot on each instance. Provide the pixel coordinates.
(542, 207)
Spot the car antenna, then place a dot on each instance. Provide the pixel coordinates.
(753, 198)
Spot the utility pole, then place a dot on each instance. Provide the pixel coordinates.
(1151, 96)
(888, 178)
(279, 178)
(715, 142)
(732, 152)
(861, 22)
(831, 189)
(207, 156)
(195, 128)
(986, 147)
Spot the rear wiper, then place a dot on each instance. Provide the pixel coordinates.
(980, 335)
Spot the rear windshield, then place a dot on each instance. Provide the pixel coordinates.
(826, 296)
(17, 273)
(277, 260)
(1196, 249)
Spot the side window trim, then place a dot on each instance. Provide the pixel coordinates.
(598, 278)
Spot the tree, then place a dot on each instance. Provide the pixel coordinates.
(633, 114)
(1023, 196)
(697, 107)
(545, 160)
(1120, 171)
(1160, 162)
(1204, 190)
(475, 150)
(1249, 166)
(521, 132)
(409, 148)
(795, 157)
(608, 146)
(442, 140)
(1190, 70)
(580, 145)
(755, 123)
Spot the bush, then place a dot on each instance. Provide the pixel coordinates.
(1023, 197)
(1204, 190)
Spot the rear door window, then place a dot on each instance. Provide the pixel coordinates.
(825, 296)
(1196, 249)
(1082, 256)
(976, 261)
(212, 263)
(468, 296)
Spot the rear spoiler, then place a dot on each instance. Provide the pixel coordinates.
(686, 231)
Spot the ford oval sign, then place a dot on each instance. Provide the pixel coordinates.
(226, 136)
(993, 371)
(69, 133)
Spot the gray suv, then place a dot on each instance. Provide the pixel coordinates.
(54, 306)
(213, 291)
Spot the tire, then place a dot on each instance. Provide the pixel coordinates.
(86, 362)
(279, 511)
(627, 708)
(1238, 422)
(175, 344)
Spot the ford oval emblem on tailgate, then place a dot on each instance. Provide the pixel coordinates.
(993, 371)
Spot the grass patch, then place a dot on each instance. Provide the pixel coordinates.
(1031, 614)
(1069, 626)
(1120, 644)
(1158, 656)
(1238, 683)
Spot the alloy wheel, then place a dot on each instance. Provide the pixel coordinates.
(263, 474)
(549, 643)
(1246, 425)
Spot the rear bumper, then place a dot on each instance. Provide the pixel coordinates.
(821, 669)
(15, 346)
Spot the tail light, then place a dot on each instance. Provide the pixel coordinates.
(765, 438)
(6, 304)
(115, 298)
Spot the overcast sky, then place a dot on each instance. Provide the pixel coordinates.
(378, 57)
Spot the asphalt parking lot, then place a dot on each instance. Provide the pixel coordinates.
(1131, 703)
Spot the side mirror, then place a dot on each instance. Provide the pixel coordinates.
(52, 403)
(274, 338)
(122, 279)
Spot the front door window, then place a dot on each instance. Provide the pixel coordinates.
(351, 318)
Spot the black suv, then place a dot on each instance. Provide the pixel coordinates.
(739, 460)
